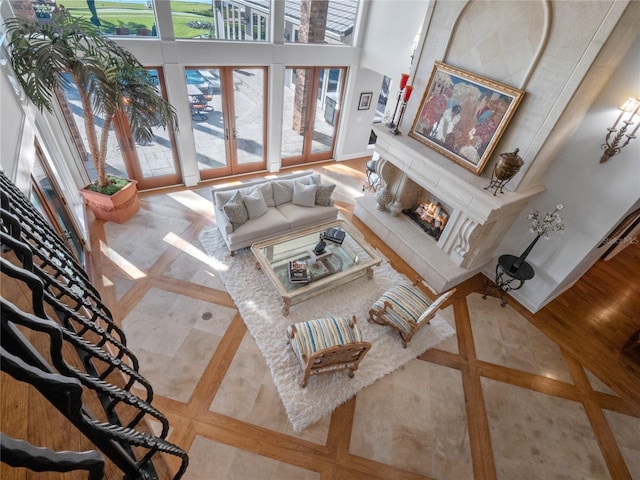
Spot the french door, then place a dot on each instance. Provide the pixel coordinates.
(312, 100)
(152, 165)
(228, 106)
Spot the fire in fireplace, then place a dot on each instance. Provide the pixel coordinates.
(431, 216)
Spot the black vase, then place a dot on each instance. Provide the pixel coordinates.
(518, 263)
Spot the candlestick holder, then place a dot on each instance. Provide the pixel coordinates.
(391, 123)
(394, 130)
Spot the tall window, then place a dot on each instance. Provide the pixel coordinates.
(134, 18)
(333, 21)
(221, 20)
(47, 197)
(383, 98)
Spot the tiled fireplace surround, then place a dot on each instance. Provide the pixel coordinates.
(478, 219)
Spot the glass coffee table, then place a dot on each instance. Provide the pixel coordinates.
(339, 264)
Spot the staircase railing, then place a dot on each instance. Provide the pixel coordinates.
(67, 308)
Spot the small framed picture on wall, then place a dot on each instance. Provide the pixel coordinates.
(365, 100)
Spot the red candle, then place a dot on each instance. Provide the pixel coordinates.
(407, 93)
(404, 78)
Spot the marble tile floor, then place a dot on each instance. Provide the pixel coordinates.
(498, 400)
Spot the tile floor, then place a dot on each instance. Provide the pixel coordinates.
(422, 421)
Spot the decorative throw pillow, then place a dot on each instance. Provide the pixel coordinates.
(304, 195)
(267, 193)
(323, 192)
(254, 203)
(235, 210)
(308, 179)
(282, 191)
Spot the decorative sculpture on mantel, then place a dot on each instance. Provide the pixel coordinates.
(506, 167)
(384, 197)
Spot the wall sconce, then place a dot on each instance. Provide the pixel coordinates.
(612, 147)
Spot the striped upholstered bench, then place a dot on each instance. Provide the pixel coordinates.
(327, 345)
(406, 308)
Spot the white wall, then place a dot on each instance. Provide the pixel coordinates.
(11, 126)
(356, 124)
(550, 49)
(392, 26)
(596, 196)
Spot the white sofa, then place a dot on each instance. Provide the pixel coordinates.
(262, 209)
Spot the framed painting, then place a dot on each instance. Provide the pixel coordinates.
(463, 115)
(365, 101)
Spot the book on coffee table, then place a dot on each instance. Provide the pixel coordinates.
(298, 272)
(318, 270)
(334, 235)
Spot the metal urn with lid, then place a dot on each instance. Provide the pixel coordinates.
(506, 167)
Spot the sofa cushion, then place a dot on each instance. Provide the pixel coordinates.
(235, 210)
(224, 196)
(323, 192)
(255, 203)
(299, 217)
(282, 191)
(304, 195)
(270, 224)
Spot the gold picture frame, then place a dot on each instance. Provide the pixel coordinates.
(463, 115)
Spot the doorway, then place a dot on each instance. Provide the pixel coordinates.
(312, 101)
(152, 165)
(228, 106)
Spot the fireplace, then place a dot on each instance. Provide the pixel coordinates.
(430, 213)
(464, 222)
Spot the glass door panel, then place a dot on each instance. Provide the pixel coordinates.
(329, 88)
(249, 130)
(312, 101)
(207, 111)
(69, 100)
(227, 109)
(156, 164)
(294, 121)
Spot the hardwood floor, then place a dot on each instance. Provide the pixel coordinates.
(501, 409)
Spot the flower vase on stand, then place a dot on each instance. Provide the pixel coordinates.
(518, 263)
(383, 198)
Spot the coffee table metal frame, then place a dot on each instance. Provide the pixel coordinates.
(273, 255)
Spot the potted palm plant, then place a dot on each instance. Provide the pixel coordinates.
(111, 83)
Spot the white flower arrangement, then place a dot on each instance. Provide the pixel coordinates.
(551, 222)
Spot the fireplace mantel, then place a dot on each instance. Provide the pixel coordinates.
(475, 227)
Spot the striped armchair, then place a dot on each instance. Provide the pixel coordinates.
(406, 308)
(327, 345)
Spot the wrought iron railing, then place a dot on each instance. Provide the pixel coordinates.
(67, 309)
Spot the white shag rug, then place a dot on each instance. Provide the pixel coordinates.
(261, 309)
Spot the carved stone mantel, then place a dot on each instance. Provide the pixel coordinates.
(475, 227)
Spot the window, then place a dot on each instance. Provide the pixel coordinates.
(217, 20)
(133, 19)
(383, 98)
(337, 29)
